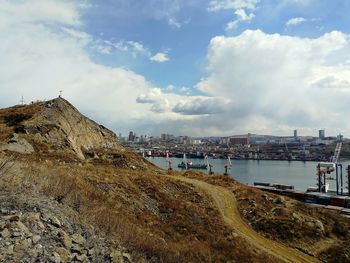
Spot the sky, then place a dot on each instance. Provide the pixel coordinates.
(184, 67)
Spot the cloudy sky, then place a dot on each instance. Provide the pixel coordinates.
(195, 67)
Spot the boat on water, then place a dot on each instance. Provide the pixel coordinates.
(189, 165)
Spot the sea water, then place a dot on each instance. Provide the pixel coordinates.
(299, 174)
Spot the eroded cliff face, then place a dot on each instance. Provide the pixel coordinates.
(55, 129)
(60, 124)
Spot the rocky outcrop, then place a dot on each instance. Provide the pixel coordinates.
(17, 144)
(61, 125)
(35, 230)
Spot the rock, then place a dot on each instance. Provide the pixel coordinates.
(22, 227)
(36, 239)
(77, 249)
(78, 239)
(17, 233)
(55, 222)
(81, 258)
(310, 224)
(280, 200)
(2, 225)
(16, 144)
(12, 218)
(33, 253)
(65, 239)
(279, 211)
(126, 257)
(64, 254)
(10, 249)
(116, 257)
(56, 257)
(5, 233)
(319, 225)
(4, 211)
(23, 245)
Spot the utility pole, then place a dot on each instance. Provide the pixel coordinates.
(22, 101)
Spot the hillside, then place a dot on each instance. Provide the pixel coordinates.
(71, 192)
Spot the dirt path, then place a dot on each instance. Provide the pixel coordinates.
(227, 205)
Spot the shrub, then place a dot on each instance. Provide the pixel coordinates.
(14, 119)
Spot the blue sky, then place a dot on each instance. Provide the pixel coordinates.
(209, 67)
(147, 22)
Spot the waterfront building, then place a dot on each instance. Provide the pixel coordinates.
(239, 140)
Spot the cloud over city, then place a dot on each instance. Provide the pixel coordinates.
(237, 80)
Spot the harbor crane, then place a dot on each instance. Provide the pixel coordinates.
(337, 152)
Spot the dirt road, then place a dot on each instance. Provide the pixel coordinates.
(227, 205)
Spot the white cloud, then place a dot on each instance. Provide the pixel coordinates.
(138, 47)
(174, 23)
(48, 52)
(279, 81)
(201, 106)
(160, 57)
(240, 8)
(36, 11)
(333, 82)
(242, 16)
(296, 21)
(218, 5)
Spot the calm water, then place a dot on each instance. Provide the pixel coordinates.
(299, 174)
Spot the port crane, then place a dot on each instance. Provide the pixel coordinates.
(288, 153)
(228, 165)
(337, 152)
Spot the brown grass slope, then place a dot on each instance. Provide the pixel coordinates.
(134, 204)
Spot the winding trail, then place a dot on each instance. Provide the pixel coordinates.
(227, 205)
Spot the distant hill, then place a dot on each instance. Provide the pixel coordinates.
(69, 192)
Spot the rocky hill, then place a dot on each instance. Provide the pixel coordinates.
(69, 192)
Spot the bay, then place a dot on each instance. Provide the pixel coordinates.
(299, 174)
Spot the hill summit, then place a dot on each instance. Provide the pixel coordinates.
(60, 125)
(56, 127)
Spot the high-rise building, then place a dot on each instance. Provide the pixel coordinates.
(295, 134)
(321, 134)
(131, 136)
(340, 138)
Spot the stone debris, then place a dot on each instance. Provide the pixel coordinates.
(43, 231)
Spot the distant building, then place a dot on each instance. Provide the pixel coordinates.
(295, 134)
(340, 138)
(132, 136)
(239, 141)
(321, 134)
(167, 137)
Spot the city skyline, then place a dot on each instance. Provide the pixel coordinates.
(208, 68)
(321, 135)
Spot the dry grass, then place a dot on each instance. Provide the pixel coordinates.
(10, 117)
(155, 218)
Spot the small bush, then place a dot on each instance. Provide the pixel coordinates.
(340, 229)
(14, 119)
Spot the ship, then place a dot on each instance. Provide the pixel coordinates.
(189, 165)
